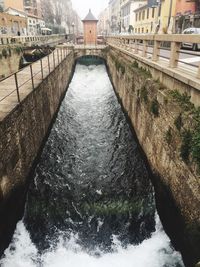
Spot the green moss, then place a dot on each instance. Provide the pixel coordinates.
(168, 136)
(141, 70)
(190, 137)
(18, 50)
(144, 94)
(196, 146)
(4, 53)
(186, 145)
(178, 122)
(119, 207)
(120, 66)
(183, 100)
(154, 108)
(135, 64)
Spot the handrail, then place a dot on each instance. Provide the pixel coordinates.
(47, 64)
(5, 40)
(132, 43)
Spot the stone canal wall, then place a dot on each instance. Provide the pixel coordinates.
(22, 134)
(164, 122)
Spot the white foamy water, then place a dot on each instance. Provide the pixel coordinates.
(153, 252)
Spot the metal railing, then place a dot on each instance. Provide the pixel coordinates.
(150, 46)
(17, 84)
(41, 39)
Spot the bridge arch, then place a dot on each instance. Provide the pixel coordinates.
(90, 59)
(93, 52)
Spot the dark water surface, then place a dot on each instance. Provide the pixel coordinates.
(91, 202)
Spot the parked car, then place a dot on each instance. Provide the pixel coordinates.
(191, 45)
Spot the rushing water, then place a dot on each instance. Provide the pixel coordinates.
(91, 202)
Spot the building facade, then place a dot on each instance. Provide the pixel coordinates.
(13, 25)
(114, 16)
(90, 29)
(156, 17)
(104, 22)
(33, 7)
(127, 13)
(145, 19)
(17, 4)
(187, 15)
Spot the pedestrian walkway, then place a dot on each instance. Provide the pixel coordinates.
(17, 86)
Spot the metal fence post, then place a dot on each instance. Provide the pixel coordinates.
(17, 87)
(54, 63)
(42, 69)
(49, 64)
(58, 56)
(31, 68)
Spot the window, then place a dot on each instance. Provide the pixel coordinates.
(153, 12)
(147, 13)
(143, 14)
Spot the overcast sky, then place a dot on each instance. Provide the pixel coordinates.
(82, 6)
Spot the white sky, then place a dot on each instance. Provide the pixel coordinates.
(83, 6)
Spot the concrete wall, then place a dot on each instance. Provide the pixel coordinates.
(22, 134)
(176, 183)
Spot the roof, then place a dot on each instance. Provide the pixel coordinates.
(16, 10)
(90, 17)
(141, 8)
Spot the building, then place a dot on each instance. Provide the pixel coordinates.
(114, 16)
(145, 19)
(127, 11)
(104, 22)
(166, 14)
(156, 16)
(13, 25)
(187, 15)
(90, 29)
(33, 7)
(185, 7)
(17, 4)
(34, 23)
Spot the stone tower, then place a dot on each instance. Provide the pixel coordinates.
(90, 29)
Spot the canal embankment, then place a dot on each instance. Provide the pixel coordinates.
(22, 133)
(166, 125)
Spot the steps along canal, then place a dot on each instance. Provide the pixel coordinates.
(91, 202)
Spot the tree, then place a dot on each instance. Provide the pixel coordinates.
(1, 8)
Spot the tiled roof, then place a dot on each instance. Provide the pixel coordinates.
(90, 17)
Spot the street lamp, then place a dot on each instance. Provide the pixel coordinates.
(73, 26)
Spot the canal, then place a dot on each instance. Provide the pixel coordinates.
(91, 202)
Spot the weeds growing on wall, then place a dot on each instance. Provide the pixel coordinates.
(4, 53)
(190, 146)
(155, 107)
(178, 122)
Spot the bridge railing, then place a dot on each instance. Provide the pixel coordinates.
(159, 46)
(24, 40)
(14, 87)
